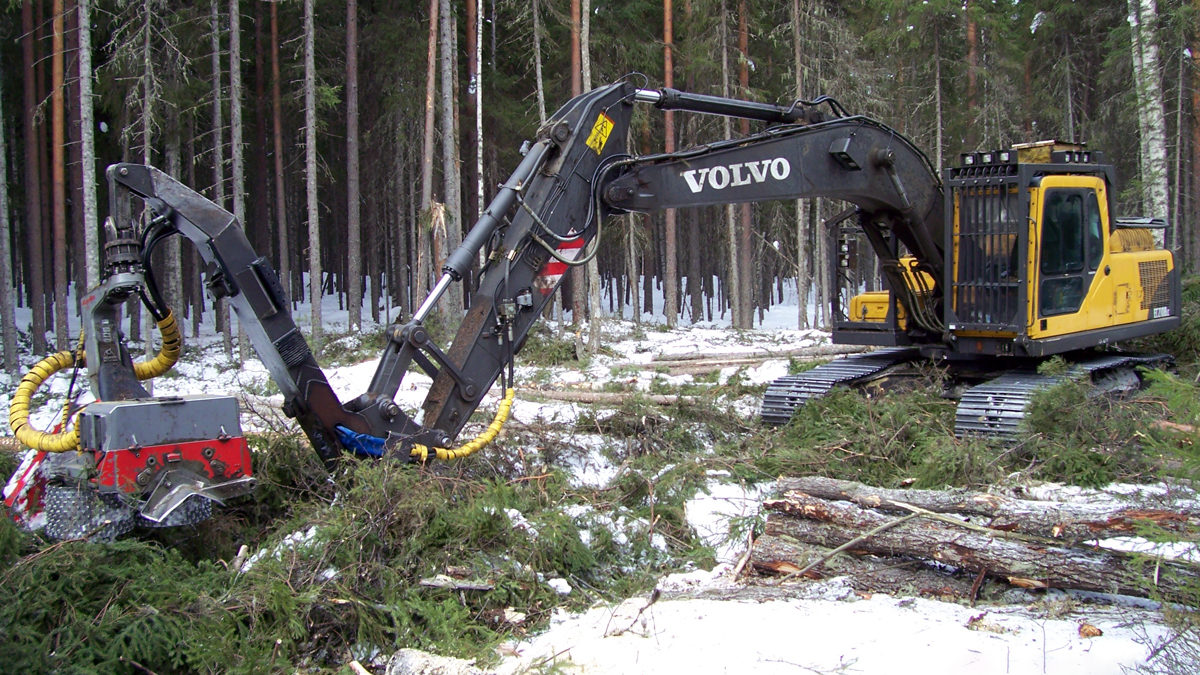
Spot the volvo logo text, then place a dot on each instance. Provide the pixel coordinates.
(734, 175)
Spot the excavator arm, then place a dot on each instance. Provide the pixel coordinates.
(894, 190)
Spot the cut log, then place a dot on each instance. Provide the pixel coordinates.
(780, 555)
(813, 351)
(1022, 560)
(1061, 520)
(608, 397)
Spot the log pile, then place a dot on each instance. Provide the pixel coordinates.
(946, 543)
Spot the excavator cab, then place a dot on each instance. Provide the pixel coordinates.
(1035, 263)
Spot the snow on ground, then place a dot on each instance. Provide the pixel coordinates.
(840, 632)
(828, 628)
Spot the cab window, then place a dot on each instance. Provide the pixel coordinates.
(1071, 248)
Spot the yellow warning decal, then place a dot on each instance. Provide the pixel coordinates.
(600, 131)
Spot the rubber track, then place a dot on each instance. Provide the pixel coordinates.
(997, 407)
(789, 392)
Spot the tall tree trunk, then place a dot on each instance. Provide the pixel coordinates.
(172, 279)
(972, 77)
(353, 241)
(671, 271)
(423, 262)
(42, 28)
(593, 265)
(474, 173)
(939, 122)
(802, 232)
(452, 304)
(1195, 82)
(76, 245)
(576, 281)
(733, 277)
(745, 241)
(87, 136)
(260, 223)
(34, 223)
(477, 48)
(8, 318)
(219, 156)
(1143, 21)
(281, 222)
(537, 60)
(237, 155)
(58, 147)
(310, 171)
(1177, 191)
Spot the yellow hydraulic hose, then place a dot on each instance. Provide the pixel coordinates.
(476, 443)
(168, 353)
(18, 410)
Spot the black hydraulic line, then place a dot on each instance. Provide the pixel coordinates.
(673, 99)
(460, 262)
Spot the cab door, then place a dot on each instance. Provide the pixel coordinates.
(1069, 238)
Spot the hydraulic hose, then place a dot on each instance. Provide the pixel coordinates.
(422, 452)
(168, 353)
(18, 410)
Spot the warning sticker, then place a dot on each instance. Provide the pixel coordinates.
(600, 131)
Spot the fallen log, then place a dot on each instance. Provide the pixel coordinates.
(609, 397)
(1021, 560)
(814, 351)
(781, 555)
(1061, 520)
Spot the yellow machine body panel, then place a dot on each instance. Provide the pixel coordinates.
(1084, 274)
(874, 306)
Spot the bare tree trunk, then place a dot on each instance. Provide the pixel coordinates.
(593, 265)
(424, 268)
(537, 60)
(576, 279)
(733, 278)
(745, 240)
(1194, 237)
(802, 231)
(671, 271)
(58, 148)
(972, 77)
(281, 222)
(452, 306)
(310, 172)
(87, 129)
(1177, 191)
(353, 226)
(237, 153)
(937, 103)
(172, 279)
(1143, 22)
(478, 86)
(35, 224)
(8, 318)
(219, 155)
